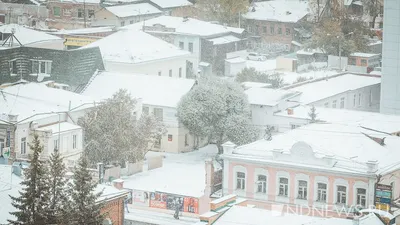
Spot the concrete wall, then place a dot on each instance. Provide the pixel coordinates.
(195, 56)
(334, 62)
(286, 64)
(151, 67)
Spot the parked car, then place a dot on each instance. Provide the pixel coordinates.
(256, 57)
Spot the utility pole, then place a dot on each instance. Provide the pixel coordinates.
(9, 14)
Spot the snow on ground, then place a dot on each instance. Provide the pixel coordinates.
(269, 67)
(176, 170)
(157, 218)
(9, 185)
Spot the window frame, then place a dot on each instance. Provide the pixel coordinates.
(23, 146)
(240, 181)
(13, 65)
(182, 45)
(361, 197)
(302, 189)
(285, 187)
(261, 184)
(321, 192)
(170, 73)
(46, 64)
(74, 141)
(334, 103)
(186, 140)
(190, 47)
(54, 11)
(342, 101)
(80, 13)
(91, 14)
(160, 112)
(341, 194)
(288, 31)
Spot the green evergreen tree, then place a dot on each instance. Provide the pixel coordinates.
(57, 189)
(313, 114)
(32, 202)
(83, 208)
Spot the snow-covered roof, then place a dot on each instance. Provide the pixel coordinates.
(364, 55)
(131, 46)
(171, 3)
(316, 90)
(59, 127)
(153, 90)
(238, 215)
(267, 96)
(175, 173)
(27, 36)
(224, 40)
(249, 84)
(90, 30)
(278, 10)
(236, 60)
(189, 26)
(109, 192)
(309, 51)
(27, 100)
(349, 145)
(133, 10)
(377, 121)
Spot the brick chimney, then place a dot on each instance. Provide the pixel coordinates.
(118, 184)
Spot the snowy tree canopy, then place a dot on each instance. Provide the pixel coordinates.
(224, 11)
(113, 134)
(219, 110)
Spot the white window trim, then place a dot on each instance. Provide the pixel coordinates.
(242, 169)
(46, 74)
(258, 195)
(321, 179)
(282, 174)
(304, 177)
(360, 184)
(12, 74)
(340, 182)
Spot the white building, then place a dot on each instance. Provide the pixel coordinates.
(130, 51)
(265, 102)
(344, 91)
(51, 113)
(27, 37)
(121, 15)
(390, 95)
(159, 95)
(188, 33)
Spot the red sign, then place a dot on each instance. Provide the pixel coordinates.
(158, 200)
(191, 205)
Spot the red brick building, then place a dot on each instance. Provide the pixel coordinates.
(274, 24)
(113, 204)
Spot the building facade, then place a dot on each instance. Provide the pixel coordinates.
(390, 94)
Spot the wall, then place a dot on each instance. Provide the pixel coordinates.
(56, 44)
(25, 14)
(334, 62)
(365, 104)
(103, 17)
(114, 210)
(195, 56)
(257, 27)
(151, 67)
(264, 200)
(286, 64)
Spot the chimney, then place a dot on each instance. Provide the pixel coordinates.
(329, 159)
(276, 153)
(12, 118)
(290, 111)
(372, 166)
(228, 147)
(118, 184)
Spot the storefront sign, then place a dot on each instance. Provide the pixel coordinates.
(383, 196)
(170, 202)
(158, 200)
(191, 205)
(75, 41)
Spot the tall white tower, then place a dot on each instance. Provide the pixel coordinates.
(390, 88)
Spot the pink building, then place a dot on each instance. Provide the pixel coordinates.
(320, 166)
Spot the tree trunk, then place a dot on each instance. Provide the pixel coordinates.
(373, 21)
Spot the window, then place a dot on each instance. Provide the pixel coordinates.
(272, 30)
(341, 103)
(302, 191)
(180, 71)
(279, 30)
(23, 145)
(122, 23)
(363, 62)
(145, 110)
(169, 137)
(56, 11)
(352, 61)
(283, 186)
(186, 140)
(191, 47)
(370, 97)
(361, 196)
(2, 145)
(56, 144)
(288, 31)
(157, 143)
(158, 113)
(159, 73)
(42, 67)
(170, 73)
(81, 13)
(257, 31)
(321, 192)
(326, 104)
(294, 126)
(354, 100)
(131, 22)
(74, 141)
(341, 195)
(91, 14)
(181, 45)
(262, 184)
(240, 180)
(359, 99)
(264, 29)
(334, 104)
(13, 67)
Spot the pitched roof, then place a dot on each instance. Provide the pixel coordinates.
(268, 96)
(131, 46)
(153, 90)
(277, 10)
(171, 3)
(133, 10)
(332, 86)
(27, 36)
(188, 26)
